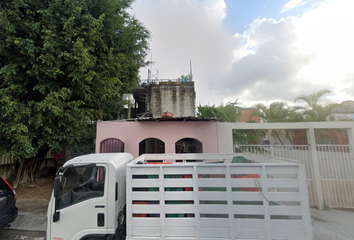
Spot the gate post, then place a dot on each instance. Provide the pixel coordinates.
(225, 137)
(310, 132)
(350, 133)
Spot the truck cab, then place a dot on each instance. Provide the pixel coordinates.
(88, 200)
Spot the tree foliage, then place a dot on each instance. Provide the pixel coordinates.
(64, 64)
(231, 113)
(228, 113)
(277, 112)
(313, 109)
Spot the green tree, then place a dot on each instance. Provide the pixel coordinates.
(228, 113)
(276, 112)
(231, 113)
(313, 109)
(63, 65)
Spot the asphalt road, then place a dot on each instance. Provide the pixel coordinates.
(10, 234)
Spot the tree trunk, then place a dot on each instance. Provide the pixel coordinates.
(19, 173)
(277, 135)
(29, 169)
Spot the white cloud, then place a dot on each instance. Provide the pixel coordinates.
(188, 30)
(329, 40)
(266, 73)
(291, 4)
(294, 56)
(274, 60)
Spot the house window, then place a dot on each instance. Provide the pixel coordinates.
(188, 145)
(111, 145)
(151, 145)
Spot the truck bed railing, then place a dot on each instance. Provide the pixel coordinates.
(222, 200)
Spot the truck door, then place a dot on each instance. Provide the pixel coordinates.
(82, 203)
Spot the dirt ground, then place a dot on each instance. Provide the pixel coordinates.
(40, 189)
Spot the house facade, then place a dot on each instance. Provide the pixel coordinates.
(162, 135)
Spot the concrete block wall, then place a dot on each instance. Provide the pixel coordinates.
(176, 97)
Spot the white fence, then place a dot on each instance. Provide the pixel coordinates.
(336, 165)
(300, 153)
(329, 168)
(4, 160)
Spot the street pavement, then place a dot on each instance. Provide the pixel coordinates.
(32, 215)
(332, 224)
(11, 234)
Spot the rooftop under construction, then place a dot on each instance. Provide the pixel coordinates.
(155, 97)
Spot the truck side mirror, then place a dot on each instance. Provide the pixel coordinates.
(57, 189)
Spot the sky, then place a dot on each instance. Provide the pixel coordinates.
(253, 51)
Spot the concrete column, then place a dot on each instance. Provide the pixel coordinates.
(350, 132)
(310, 132)
(225, 138)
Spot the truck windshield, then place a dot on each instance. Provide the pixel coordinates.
(80, 184)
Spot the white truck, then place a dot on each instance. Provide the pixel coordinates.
(179, 196)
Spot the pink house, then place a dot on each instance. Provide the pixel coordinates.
(162, 135)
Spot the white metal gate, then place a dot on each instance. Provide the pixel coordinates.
(336, 166)
(336, 169)
(329, 168)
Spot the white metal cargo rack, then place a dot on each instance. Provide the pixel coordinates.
(206, 196)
